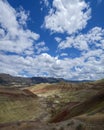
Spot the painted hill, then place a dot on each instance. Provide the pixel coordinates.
(19, 105)
(94, 104)
(51, 106)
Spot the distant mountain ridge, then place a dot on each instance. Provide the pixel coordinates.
(8, 80)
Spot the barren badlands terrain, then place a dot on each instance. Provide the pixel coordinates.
(55, 105)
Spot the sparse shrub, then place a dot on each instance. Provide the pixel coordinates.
(61, 128)
(18, 124)
(70, 123)
(79, 127)
(54, 129)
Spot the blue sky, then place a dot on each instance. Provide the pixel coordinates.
(54, 38)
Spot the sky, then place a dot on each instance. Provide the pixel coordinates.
(52, 38)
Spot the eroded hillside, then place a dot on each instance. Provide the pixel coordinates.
(56, 106)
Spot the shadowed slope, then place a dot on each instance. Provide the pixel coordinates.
(81, 108)
(15, 92)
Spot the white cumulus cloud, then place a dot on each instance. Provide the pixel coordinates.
(92, 40)
(89, 66)
(21, 55)
(41, 47)
(13, 37)
(67, 16)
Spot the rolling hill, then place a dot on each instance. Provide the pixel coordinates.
(25, 105)
(19, 105)
(91, 106)
(11, 81)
